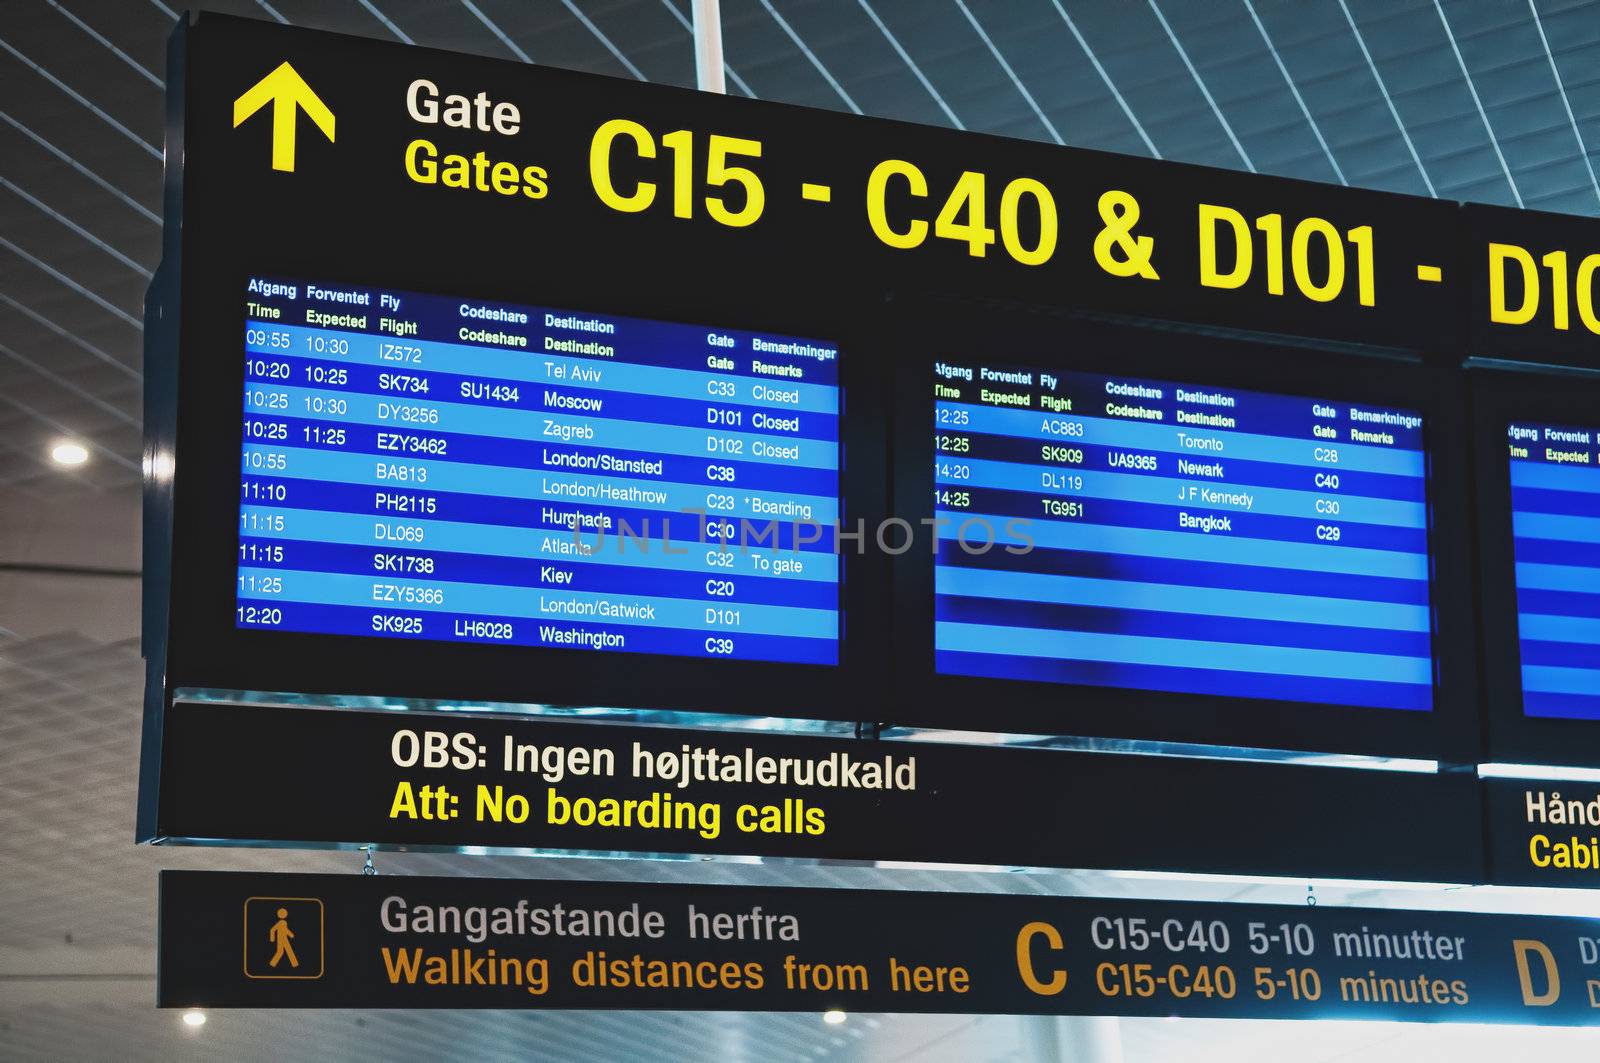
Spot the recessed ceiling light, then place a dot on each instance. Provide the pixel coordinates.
(833, 1016)
(158, 466)
(194, 1018)
(67, 452)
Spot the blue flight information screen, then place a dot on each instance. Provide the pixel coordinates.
(428, 467)
(1555, 525)
(1116, 532)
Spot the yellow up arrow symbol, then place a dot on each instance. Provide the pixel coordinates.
(286, 90)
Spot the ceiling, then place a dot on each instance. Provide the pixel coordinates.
(1465, 99)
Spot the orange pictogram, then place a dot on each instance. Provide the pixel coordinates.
(280, 935)
(284, 937)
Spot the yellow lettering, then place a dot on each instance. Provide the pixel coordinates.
(424, 169)
(1299, 250)
(1523, 948)
(405, 802)
(1058, 980)
(718, 173)
(644, 192)
(1272, 226)
(1537, 850)
(1009, 199)
(1585, 284)
(1210, 215)
(877, 212)
(1556, 262)
(1498, 310)
(1366, 289)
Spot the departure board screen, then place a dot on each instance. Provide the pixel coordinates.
(1555, 525)
(429, 467)
(1148, 535)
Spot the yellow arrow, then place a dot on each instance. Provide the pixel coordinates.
(287, 91)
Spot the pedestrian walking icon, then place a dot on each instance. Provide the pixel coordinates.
(281, 935)
(283, 938)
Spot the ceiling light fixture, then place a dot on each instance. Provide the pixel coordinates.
(195, 1018)
(158, 466)
(68, 452)
(834, 1016)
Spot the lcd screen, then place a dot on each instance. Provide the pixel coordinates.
(1555, 523)
(1149, 535)
(457, 469)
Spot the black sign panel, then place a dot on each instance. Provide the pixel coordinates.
(350, 170)
(1534, 297)
(444, 781)
(1135, 539)
(324, 941)
(1543, 832)
(355, 167)
(592, 169)
(1533, 442)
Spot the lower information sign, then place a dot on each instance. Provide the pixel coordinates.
(329, 941)
(1543, 833)
(517, 783)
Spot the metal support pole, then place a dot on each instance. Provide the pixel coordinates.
(708, 46)
(1069, 1039)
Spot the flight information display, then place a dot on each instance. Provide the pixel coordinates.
(1116, 532)
(1555, 524)
(428, 467)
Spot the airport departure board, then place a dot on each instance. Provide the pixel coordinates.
(459, 469)
(1149, 535)
(1555, 524)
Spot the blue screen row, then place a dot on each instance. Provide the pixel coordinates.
(1161, 536)
(1555, 523)
(429, 467)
